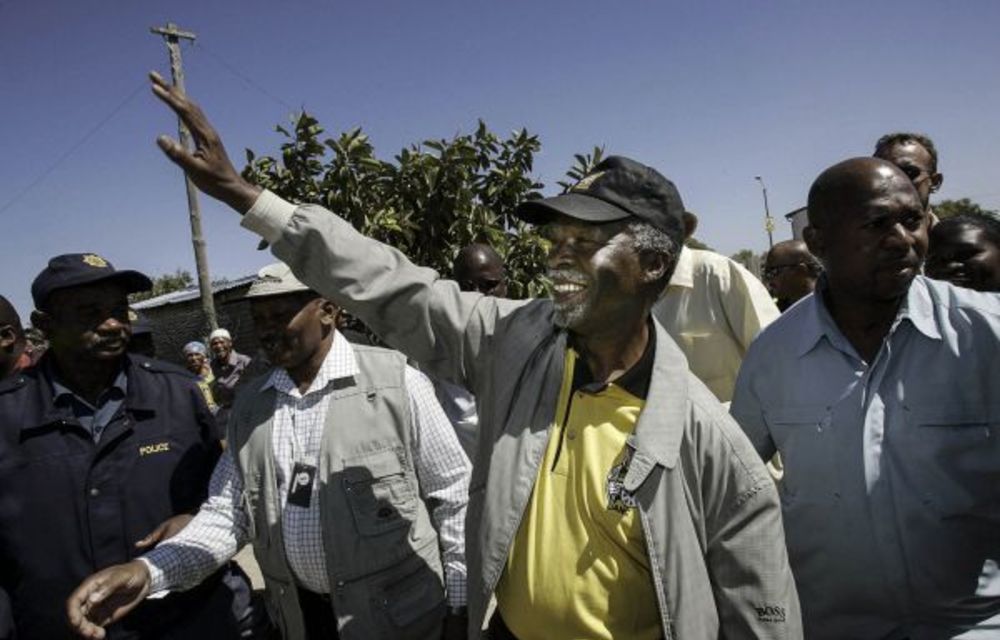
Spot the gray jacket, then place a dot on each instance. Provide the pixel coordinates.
(381, 547)
(709, 510)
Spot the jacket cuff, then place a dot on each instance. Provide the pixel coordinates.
(269, 216)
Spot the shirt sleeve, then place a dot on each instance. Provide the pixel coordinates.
(443, 471)
(211, 539)
(748, 305)
(411, 308)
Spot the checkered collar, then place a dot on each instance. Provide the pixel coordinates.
(339, 363)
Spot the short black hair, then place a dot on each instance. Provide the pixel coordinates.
(988, 223)
(902, 137)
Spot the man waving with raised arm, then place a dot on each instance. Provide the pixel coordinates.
(612, 495)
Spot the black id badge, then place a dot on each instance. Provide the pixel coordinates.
(301, 487)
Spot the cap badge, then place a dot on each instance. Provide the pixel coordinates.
(95, 261)
(586, 181)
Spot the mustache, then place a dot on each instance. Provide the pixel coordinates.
(567, 275)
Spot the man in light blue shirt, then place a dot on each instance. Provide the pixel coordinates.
(882, 393)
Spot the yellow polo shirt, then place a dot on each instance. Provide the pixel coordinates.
(577, 568)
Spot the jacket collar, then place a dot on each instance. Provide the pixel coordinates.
(140, 390)
(661, 424)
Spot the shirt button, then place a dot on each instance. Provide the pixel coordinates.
(571, 435)
(94, 492)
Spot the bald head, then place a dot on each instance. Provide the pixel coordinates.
(790, 272)
(12, 340)
(867, 225)
(848, 184)
(479, 268)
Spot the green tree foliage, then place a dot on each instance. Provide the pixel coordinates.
(429, 201)
(167, 283)
(949, 208)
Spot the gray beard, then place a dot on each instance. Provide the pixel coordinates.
(569, 315)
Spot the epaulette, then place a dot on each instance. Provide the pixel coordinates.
(13, 382)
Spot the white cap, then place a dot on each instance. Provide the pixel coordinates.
(220, 333)
(274, 280)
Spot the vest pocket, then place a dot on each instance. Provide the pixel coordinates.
(413, 606)
(381, 495)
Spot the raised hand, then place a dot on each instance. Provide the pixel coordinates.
(106, 597)
(207, 165)
(167, 529)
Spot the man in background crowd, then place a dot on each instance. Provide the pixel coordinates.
(228, 367)
(478, 267)
(713, 308)
(916, 156)
(965, 250)
(790, 272)
(97, 448)
(880, 391)
(196, 361)
(14, 355)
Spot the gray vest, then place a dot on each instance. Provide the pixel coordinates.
(382, 553)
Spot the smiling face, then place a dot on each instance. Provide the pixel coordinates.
(221, 348)
(88, 322)
(964, 255)
(292, 327)
(872, 235)
(597, 275)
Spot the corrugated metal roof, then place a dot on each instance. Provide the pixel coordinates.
(191, 293)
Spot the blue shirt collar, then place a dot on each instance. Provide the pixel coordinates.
(917, 307)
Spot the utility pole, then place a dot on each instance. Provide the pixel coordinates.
(768, 220)
(173, 35)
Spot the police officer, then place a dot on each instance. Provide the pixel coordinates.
(97, 447)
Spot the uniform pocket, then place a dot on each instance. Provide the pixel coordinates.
(380, 493)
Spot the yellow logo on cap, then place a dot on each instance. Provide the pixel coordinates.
(95, 260)
(588, 180)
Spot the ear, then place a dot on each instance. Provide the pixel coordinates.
(328, 313)
(815, 240)
(8, 337)
(936, 181)
(653, 265)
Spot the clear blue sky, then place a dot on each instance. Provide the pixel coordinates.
(709, 93)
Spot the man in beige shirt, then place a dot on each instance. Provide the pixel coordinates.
(714, 308)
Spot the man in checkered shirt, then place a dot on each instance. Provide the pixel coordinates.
(356, 512)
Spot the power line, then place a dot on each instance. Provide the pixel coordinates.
(242, 76)
(66, 154)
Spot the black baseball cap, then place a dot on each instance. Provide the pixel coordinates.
(76, 269)
(616, 189)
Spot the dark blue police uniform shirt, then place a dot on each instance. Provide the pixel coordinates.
(71, 504)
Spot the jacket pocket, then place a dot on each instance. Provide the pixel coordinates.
(381, 494)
